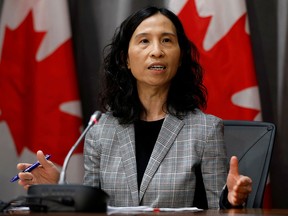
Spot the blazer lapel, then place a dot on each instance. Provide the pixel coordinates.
(168, 133)
(127, 145)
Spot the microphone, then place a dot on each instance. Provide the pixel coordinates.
(63, 197)
(93, 120)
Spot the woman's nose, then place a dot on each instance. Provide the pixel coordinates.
(156, 50)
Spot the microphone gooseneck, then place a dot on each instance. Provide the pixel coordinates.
(93, 120)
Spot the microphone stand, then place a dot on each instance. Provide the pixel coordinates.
(63, 197)
(93, 120)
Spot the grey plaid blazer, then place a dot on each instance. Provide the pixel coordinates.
(169, 179)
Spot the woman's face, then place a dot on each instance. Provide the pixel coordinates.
(154, 52)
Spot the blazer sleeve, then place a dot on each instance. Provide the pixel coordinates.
(214, 162)
(91, 158)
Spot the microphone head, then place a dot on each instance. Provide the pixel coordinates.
(95, 117)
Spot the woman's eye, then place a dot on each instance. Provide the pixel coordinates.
(166, 40)
(144, 41)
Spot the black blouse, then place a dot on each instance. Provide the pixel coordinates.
(146, 134)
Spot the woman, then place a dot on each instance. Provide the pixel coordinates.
(153, 141)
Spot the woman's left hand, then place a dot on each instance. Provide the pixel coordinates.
(239, 186)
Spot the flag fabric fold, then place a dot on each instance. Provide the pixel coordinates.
(220, 31)
(39, 100)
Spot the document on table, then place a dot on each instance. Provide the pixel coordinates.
(17, 210)
(114, 210)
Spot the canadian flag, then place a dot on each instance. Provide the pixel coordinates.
(39, 101)
(220, 31)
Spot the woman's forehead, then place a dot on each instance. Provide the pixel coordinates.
(156, 22)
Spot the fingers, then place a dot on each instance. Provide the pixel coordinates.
(46, 173)
(245, 180)
(240, 191)
(238, 198)
(239, 186)
(22, 166)
(25, 183)
(243, 185)
(25, 176)
(41, 158)
(25, 179)
(234, 169)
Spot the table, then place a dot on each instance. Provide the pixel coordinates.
(235, 212)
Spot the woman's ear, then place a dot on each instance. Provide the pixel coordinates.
(128, 63)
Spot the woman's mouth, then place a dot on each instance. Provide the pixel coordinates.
(157, 67)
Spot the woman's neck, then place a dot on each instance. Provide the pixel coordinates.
(152, 116)
(154, 106)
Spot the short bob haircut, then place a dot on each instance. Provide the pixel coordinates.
(120, 95)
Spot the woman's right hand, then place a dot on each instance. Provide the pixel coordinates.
(46, 173)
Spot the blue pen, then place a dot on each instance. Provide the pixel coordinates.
(29, 169)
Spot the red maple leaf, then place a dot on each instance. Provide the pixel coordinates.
(228, 66)
(31, 93)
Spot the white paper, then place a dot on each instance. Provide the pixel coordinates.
(12, 210)
(135, 209)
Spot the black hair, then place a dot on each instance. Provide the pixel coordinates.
(120, 95)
